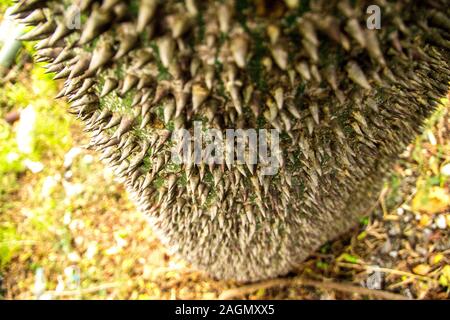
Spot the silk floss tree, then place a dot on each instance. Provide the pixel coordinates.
(346, 85)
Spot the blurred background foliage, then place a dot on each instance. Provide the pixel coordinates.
(68, 230)
(5, 4)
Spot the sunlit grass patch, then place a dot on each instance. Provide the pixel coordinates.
(31, 148)
(431, 154)
(43, 128)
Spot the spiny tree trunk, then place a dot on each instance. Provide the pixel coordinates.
(345, 99)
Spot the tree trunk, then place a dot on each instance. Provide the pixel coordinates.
(347, 85)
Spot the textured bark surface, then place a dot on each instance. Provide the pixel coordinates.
(345, 99)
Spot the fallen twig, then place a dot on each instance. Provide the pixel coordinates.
(386, 270)
(343, 287)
